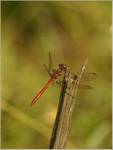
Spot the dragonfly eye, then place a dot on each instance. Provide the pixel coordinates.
(62, 66)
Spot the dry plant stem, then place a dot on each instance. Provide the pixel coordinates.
(64, 113)
(58, 116)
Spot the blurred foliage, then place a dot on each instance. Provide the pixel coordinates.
(71, 31)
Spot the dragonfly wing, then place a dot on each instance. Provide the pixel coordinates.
(50, 63)
(48, 71)
(89, 76)
(85, 86)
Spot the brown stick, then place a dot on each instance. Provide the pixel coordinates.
(64, 112)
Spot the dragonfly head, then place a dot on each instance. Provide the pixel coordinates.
(62, 67)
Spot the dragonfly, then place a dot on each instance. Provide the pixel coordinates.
(54, 78)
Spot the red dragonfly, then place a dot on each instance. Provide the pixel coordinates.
(54, 75)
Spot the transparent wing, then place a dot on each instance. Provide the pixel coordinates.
(89, 76)
(85, 86)
(49, 68)
(50, 63)
(48, 71)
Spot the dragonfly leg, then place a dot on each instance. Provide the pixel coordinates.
(59, 82)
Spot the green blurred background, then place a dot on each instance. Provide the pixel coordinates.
(71, 31)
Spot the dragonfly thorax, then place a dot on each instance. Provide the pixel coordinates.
(56, 73)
